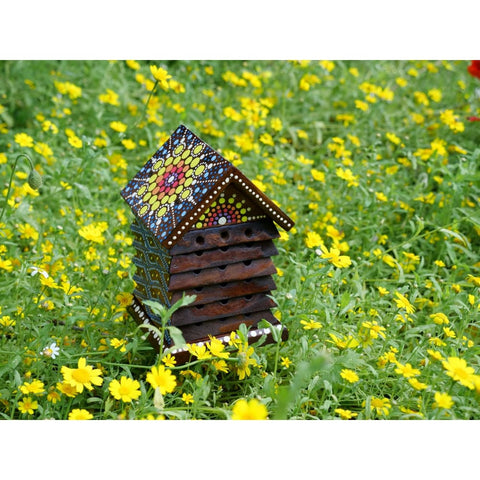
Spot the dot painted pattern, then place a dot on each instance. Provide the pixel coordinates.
(171, 184)
(229, 208)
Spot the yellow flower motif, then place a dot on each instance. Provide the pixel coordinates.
(251, 410)
(83, 376)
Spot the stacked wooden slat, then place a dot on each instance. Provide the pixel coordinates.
(229, 270)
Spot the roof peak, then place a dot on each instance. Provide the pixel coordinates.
(179, 182)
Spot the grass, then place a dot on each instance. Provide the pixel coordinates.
(378, 282)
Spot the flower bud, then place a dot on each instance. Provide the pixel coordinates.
(34, 179)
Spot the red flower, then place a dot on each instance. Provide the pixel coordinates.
(473, 119)
(474, 68)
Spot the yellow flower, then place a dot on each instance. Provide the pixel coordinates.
(163, 379)
(334, 257)
(93, 232)
(393, 138)
(345, 414)
(161, 75)
(80, 414)
(349, 375)
(118, 126)
(251, 410)
(82, 376)
(125, 390)
(6, 265)
(311, 324)
(35, 386)
(245, 359)
(317, 175)
(124, 299)
(134, 65)
(407, 370)
(187, 398)
(313, 240)
(381, 405)
(27, 405)
(74, 141)
(439, 318)
(109, 97)
(217, 348)
(24, 140)
(442, 400)
(458, 369)
(169, 360)
(402, 302)
(417, 385)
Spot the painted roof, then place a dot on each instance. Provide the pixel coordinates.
(175, 187)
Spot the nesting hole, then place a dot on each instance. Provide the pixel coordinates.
(247, 262)
(248, 297)
(223, 302)
(196, 272)
(248, 232)
(200, 240)
(223, 284)
(199, 307)
(222, 267)
(199, 254)
(224, 234)
(223, 249)
(198, 289)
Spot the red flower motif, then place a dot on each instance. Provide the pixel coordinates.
(473, 119)
(474, 68)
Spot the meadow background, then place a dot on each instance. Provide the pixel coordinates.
(378, 283)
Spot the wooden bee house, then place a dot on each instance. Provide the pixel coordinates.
(202, 228)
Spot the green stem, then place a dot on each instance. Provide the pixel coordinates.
(152, 91)
(11, 180)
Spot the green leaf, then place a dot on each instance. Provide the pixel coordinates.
(176, 335)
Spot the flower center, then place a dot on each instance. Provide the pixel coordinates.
(81, 375)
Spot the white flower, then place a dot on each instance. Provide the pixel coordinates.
(35, 270)
(51, 351)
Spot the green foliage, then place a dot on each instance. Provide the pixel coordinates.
(378, 282)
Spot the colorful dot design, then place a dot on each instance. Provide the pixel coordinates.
(178, 177)
(225, 210)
